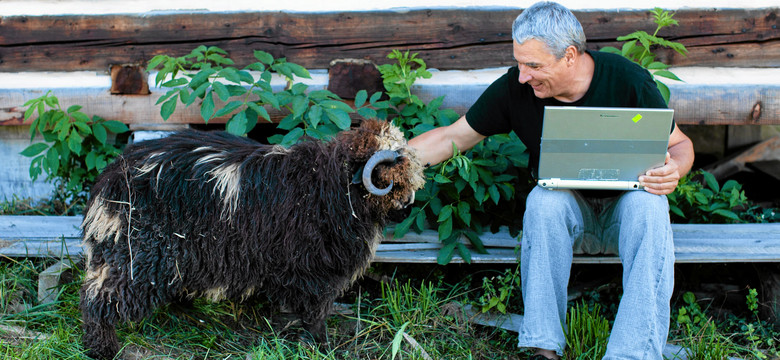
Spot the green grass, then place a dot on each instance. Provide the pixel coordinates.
(404, 317)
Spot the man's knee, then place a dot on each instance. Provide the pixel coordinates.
(642, 202)
(542, 202)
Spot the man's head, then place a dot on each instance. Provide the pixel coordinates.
(553, 25)
(548, 43)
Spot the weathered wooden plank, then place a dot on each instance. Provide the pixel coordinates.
(36, 236)
(39, 248)
(44, 228)
(694, 102)
(500, 239)
(445, 38)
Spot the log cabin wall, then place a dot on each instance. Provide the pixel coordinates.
(731, 44)
(446, 39)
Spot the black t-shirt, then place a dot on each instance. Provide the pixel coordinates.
(507, 105)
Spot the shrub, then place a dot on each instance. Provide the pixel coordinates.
(75, 150)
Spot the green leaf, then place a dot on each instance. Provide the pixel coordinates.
(292, 137)
(676, 210)
(657, 65)
(115, 127)
(166, 96)
(53, 160)
(83, 127)
(264, 57)
(360, 98)
(207, 107)
(237, 124)
(168, 108)
(664, 90)
(246, 77)
(90, 160)
(34, 149)
(80, 117)
(339, 118)
(261, 111)
(445, 228)
(403, 227)
(476, 241)
(298, 70)
(74, 143)
(627, 48)
(221, 90)
(29, 112)
(464, 212)
(100, 133)
(445, 254)
(711, 181)
(175, 82)
(441, 179)
(445, 213)
(230, 74)
(314, 115)
(73, 108)
(494, 194)
(464, 252)
(701, 198)
(727, 214)
(667, 74)
(229, 108)
(397, 340)
(610, 49)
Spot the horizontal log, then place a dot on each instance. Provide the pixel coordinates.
(717, 96)
(445, 38)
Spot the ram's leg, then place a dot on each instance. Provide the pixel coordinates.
(313, 314)
(99, 322)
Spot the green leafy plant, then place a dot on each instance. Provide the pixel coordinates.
(465, 193)
(638, 48)
(699, 198)
(691, 316)
(497, 291)
(587, 332)
(246, 95)
(404, 108)
(706, 344)
(75, 150)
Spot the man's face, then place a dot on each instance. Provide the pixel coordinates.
(540, 69)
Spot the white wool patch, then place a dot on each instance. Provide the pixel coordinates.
(278, 150)
(215, 294)
(94, 280)
(146, 168)
(226, 180)
(391, 138)
(209, 158)
(101, 225)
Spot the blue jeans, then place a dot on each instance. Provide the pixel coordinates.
(635, 225)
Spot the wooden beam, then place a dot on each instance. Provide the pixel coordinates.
(445, 39)
(756, 102)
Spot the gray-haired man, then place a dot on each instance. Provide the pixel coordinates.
(553, 68)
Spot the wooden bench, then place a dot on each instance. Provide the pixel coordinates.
(60, 237)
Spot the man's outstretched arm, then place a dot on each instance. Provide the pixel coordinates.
(435, 146)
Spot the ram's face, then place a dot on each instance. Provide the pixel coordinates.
(393, 171)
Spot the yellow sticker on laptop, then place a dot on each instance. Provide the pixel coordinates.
(637, 118)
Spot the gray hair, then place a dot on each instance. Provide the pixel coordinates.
(552, 24)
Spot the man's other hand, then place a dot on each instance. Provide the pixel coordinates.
(661, 180)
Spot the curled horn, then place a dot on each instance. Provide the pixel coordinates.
(378, 157)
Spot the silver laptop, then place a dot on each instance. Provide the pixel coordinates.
(601, 148)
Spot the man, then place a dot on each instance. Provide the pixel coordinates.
(553, 68)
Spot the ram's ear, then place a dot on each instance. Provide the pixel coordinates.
(358, 178)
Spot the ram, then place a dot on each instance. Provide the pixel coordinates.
(209, 214)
